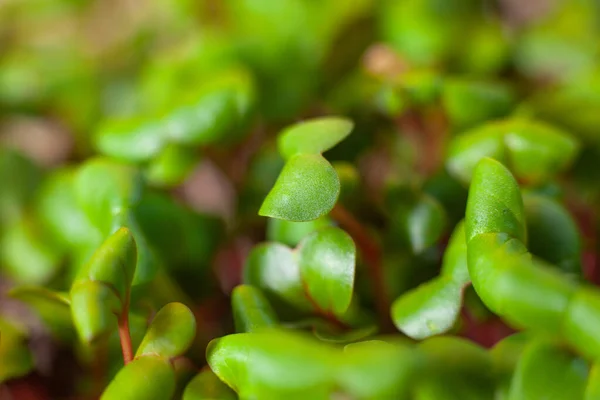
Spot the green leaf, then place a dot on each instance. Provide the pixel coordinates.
(107, 192)
(454, 368)
(133, 139)
(533, 150)
(14, 353)
(207, 386)
(274, 364)
(149, 377)
(546, 371)
(171, 332)
(433, 307)
(291, 233)
(274, 268)
(25, 253)
(377, 370)
(581, 324)
(420, 223)
(306, 189)
(553, 234)
(172, 166)
(60, 214)
(592, 390)
(428, 310)
(52, 307)
(113, 263)
(327, 333)
(251, 310)
(94, 307)
(495, 204)
(469, 102)
(313, 136)
(505, 356)
(327, 265)
(20, 179)
(101, 290)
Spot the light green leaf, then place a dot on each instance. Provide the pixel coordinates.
(132, 139)
(545, 371)
(313, 136)
(274, 268)
(171, 332)
(327, 266)
(306, 189)
(149, 378)
(251, 310)
(291, 233)
(273, 364)
(207, 386)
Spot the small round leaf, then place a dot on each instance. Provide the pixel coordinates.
(314, 136)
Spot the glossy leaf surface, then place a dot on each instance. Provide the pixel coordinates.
(273, 365)
(306, 189)
(327, 265)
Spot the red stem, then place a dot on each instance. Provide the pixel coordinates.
(329, 316)
(124, 335)
(371, 253)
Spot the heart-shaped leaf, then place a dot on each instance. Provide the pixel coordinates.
(314, 136)
(546, 371)
(273, 364)
(251, 310)
(327, 261)
(171, 332)
(534, 151)
(306, 189)
(207, 386)
(148, 377)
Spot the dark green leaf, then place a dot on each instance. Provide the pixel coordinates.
(306, 189)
